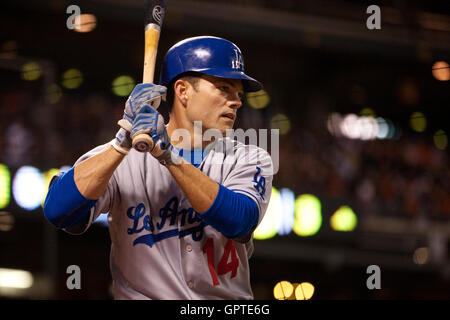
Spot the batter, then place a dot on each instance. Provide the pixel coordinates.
(181, 216)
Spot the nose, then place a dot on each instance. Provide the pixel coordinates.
(236, 101)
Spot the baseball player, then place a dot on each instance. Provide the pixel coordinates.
(181, 216)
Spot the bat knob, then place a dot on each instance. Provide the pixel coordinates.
(142, 143)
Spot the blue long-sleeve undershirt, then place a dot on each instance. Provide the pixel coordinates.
(233, 214)
(64, 205)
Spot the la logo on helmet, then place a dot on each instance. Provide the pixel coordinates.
(238, 62)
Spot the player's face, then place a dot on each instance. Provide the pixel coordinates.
(215, 102)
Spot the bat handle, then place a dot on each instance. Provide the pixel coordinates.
(142, 142)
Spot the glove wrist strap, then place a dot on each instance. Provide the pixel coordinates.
(120, 149)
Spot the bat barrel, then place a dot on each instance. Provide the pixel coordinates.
(154, 16)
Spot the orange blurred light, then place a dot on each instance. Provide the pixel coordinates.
(85, 22)
(441, 71)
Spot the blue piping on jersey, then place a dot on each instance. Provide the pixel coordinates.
(233, 214)
(64, 205)
(194, 156)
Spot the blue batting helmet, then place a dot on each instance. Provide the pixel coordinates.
(208, 55)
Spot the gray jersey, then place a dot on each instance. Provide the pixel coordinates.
(160, 248)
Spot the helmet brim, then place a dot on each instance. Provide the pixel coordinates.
(249, 84)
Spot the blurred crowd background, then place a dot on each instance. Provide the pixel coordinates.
(320, 66)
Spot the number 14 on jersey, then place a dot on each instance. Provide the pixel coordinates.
(224, 266)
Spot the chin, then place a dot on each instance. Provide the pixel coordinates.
(223, 126)
(224, 129)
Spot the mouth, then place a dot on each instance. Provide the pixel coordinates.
(229, 115)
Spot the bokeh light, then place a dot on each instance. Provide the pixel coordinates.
(333, 124)
(441, 71)
(72, 78)
(383, 128)
(123, 85)
(6, 221)
(393, 131)
(308, 215)
(440, 139)
(418, 122)
(14, 278)
(421, 255)
(287, 211)
(5, 186)
(8, 49)
(31, 71)
(53, 93)
(47, 177)
(363, 128)
(85, 22)
(28, 188)
(304, 291)
(258, 100)
(281, 122)
(344, 219)
(268, 227)
(283, 290)
(367, 127)
(367, 112)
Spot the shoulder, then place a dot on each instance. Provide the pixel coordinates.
(236, 147)
(248, 154)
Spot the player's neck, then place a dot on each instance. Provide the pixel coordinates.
(177, 128)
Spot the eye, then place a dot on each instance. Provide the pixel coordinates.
(224, 88)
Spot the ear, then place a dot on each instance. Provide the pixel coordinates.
(180, 88)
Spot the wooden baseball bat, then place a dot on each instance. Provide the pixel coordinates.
(154, 16)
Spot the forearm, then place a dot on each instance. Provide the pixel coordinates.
(72, 194)
(92, 175)
(200, 189)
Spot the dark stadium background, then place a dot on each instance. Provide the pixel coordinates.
(314, 58)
